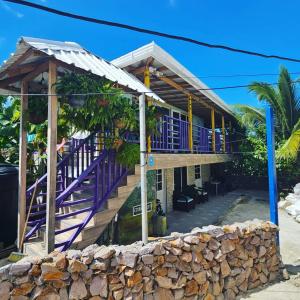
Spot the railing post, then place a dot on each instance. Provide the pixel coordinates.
(143, 168)
(22, 163)
(223, 134)
(273, 193)
(213, 131)
(190, 117)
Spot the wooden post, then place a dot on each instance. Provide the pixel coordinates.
(22, 163)
(190, 117)
(230, 136)
(147, 84)
(51, 158)
(213, 130)
(223, 134)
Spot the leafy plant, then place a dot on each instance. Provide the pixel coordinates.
(129, 154)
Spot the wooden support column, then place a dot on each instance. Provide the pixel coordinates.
(190, 117)
(213, 130)
(51, 158)
(22, 163)
(223, 134)
(147, 84)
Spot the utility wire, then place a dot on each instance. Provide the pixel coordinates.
(133, 92)
(148, 31)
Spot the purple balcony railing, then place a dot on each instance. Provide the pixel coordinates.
(218, 141)
(200, 139)
(172, 135)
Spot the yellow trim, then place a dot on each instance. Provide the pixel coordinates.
(223, 134)
(147, 84)
(213, 128)
(190, 117)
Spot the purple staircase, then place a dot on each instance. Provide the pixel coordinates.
(86, 179)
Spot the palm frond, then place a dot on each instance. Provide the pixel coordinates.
(249, 116)
(290, 149)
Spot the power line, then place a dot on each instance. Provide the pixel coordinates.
(148, 31)
(133, 93)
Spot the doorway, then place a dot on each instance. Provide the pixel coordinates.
(161, 188)
(180, 178)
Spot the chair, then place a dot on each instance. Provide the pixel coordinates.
(182, 202)
(192, 192)
(203, 194)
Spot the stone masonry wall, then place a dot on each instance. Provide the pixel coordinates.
(208, 263)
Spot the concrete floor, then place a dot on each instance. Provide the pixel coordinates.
(239, 206)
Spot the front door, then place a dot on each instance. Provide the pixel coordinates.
(180, 178)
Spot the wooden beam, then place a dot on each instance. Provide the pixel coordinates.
(22, 164)
(37, 71)
(24, 68)
(5, 82)
(182, 89)
(51, 158)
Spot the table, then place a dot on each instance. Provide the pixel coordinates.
(216, 183)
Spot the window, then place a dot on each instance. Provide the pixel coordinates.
(159, 180)
(197, 171)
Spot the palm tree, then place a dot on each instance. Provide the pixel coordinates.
(286, 104)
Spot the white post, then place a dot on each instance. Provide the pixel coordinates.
(143, 168)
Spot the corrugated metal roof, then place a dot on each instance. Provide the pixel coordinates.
(73, 54)
(164, 58)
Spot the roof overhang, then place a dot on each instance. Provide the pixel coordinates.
(171, 80)
(33, 53)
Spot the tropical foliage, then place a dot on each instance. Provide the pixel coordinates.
(284, 99)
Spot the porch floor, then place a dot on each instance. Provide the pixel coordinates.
(213, 211)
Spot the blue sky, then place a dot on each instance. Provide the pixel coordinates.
(269, 26)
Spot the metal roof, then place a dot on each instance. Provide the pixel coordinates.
(73, 54)
(172, 69)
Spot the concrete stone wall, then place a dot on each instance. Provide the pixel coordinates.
(191, 175)
(208, 263)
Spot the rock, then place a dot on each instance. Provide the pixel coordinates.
(255, 240)
(164, 282)
(209, 297)
(78, 290)
(227, 246)
(285, 274)
(262, 251)
(99, 286)
(191, 239)
(178, 294)
(5, 288)
(128, 259)
(118, 294)
(213, 244)
(186, 257)
(97, 265)
(73, 254)
(216, 288)
(63, 294)
(191, 288)
(161, 271)
(134, 279)
(159, 249)
(19, 268)
(225, 269)
(175, 251)
(240, 278)
(60, 261)
(23, 289)
(200, 277)
(104, 253)
(50, 272)
(178, 243)
(229, 283)
(148, 259)
(208, 255)
(76, 266)
(147, 284)
(162, 293)
(172, 273)
(229, 294)
(263, 278)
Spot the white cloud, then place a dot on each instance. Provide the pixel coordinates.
(12, 11)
